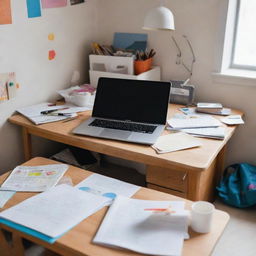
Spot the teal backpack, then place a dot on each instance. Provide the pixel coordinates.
(238, 185)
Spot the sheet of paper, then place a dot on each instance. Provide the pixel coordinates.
(175, 142)
(5, 196)
(5, 12)
(108, 187)
(218, 132)
(181, 121)
(55, 211)
(232, 120)
(129, 226)
(34, 8)
(53, 3)
(34, 178)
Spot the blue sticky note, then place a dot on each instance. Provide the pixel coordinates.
(34, 8)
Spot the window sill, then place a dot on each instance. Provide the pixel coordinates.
(235, 77)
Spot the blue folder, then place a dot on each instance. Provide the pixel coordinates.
(29, 231)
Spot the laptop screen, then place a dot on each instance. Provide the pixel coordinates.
(133, 100)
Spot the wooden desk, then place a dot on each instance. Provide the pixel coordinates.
(78, 240)
(191, 173)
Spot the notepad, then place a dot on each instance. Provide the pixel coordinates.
(175, 142)
(55, 211)
(214, 133)
(128, 225)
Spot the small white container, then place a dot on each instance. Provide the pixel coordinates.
(85, 99)
(201, 216)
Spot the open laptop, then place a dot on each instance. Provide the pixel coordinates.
(128, 110)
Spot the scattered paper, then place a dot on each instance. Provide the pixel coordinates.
(108, 187)
(53, 3)
(181, 121)
(5, 12)
(34, 8)
(5, 196)
(128, 225)
(175, 142)
(214, 133)
(55, 211)
(34, 178)
(232, 120)
(33, 113)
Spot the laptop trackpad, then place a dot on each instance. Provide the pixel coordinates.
(110, 133)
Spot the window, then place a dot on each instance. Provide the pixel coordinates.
(243, 54)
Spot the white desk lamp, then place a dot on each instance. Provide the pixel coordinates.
(159, 18)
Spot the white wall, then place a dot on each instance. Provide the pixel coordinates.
(203, 21)
(24, 49)
(24, 46)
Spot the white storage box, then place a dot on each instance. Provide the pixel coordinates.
(113, 64)
(153, 74)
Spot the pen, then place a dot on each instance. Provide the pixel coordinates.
(51, 110)
(168, 210)
(59, 114)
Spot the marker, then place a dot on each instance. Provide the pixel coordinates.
(45, 112)
(167, 210)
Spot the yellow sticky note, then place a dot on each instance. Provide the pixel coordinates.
(51, 36)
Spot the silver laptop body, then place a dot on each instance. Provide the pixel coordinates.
(128, 110)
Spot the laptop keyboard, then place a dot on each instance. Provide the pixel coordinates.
(134, 127)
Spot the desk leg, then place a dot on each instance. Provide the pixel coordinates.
(5, 248)
(26, 144)
(17, 247)
(220, 166)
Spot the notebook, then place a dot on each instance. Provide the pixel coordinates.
(128, 110)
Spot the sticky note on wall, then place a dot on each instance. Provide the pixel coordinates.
(5, 12)
(53, 3)
(51, 55)
(34, 8)
(8, 87)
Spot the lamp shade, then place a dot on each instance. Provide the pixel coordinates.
(160, 18)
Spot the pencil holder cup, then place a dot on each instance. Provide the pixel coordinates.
(141, 66)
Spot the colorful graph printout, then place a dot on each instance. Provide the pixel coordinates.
(53, 3)
(5, 12)
(34, 8)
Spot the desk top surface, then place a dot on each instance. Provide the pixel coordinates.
(197, 159)
(78, 240)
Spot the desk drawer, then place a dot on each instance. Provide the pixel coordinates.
(168, 178)
(166, 190)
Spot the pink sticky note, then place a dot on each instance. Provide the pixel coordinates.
(51, 55)
(53, 3)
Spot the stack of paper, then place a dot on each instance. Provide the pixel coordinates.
(181, 121)
(52, 213)
(34, 178)
(174, 142)
(128, 225)
(33, 113)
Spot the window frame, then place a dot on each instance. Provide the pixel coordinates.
(232, 65)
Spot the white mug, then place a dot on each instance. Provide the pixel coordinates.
(201, 216)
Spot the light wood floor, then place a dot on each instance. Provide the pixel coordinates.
(239, 237)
